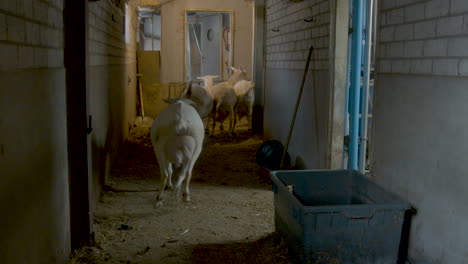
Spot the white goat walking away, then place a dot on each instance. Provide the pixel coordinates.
(245, 100)
(224, 98)
(201, 100)
(237, 75)
(177, 136)
(224, 105)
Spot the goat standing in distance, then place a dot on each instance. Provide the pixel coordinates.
(245, 100)
(220, 101)
(224, 99)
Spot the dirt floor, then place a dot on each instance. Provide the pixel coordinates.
(228, 220)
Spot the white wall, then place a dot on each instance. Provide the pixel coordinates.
(172, 48)
(34, 197)
(34, 183)
(112, 75)
(419, 148)
(288, 39)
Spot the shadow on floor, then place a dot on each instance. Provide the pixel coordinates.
(224, 161)
(268, 249)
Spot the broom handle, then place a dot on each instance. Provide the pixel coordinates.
(141, 95)
(297, 106)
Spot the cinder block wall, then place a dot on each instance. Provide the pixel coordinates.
(420, 147)
(424, 37)
(288, 38)
(34, 198)
(288, 47)
(112, 82)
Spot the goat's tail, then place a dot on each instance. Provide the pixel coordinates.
(188, 90)
(182, 127)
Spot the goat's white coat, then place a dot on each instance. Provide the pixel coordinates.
(198, 97)
(208, 80)
(245, 100)
(224, 98)
(177, 136)
(224, 103)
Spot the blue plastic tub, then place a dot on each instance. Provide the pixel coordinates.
(337, 214)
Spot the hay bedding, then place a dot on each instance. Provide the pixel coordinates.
(229, 220)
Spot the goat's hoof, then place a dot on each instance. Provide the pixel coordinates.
(159, 203)
(186, 198)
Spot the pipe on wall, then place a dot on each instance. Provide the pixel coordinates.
(355, 85)
(365, 91)
(346, 116)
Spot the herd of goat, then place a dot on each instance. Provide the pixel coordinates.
(178, 132)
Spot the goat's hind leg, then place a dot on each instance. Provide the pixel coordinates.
(181, 177)
(188, 176)
(165, 176)
(165, 169)
(232, 121)
(213, 117)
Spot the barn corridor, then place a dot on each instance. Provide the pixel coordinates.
(229, 220)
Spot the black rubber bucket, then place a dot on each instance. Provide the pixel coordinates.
(269, 155)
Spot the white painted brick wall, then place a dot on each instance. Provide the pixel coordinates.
(437, 8)
(25, 56)
(464, 67)
(396, 16)
(385, 66)
(288, 48)
(449, 26)
(404, 32)
(414, 12)
(458, 47)
(16, 29)
(445, 66)
(8, 56)
(40, 57)
(3, 27)
(405, 2)
(414, 49)
(395, 50)
(435, 48)
(106, 41)
(387, 34)
(465, 24)
(386, 4)
(425, 29)
(31, 34)
(401, 66)
(458, 6)
(421, 66)
(423, 37)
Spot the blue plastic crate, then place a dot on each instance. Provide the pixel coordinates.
(338, 213)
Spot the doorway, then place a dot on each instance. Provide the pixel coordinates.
(79, 121)
(208, 43)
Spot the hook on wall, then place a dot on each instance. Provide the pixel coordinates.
(275, 30)
(309, 20)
